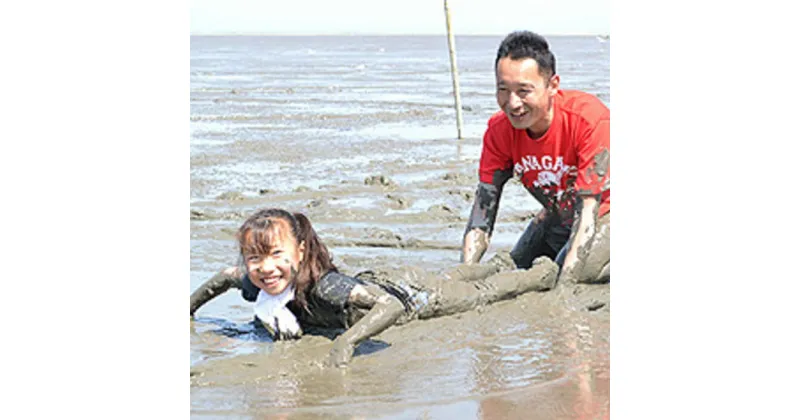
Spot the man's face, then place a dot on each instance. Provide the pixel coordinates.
(524, 94)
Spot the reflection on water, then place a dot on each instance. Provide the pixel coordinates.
(300, 123)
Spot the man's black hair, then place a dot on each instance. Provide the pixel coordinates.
(519, 45)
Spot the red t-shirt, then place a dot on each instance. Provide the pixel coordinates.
(571, 158)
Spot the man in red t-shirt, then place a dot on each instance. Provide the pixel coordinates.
(556, 143)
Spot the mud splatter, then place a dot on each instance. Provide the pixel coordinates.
(601, 162)
(230, 196)
(381, 180)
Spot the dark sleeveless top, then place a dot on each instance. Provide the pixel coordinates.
(327, 300)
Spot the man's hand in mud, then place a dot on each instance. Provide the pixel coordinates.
(475, 243)
(341, 354)
(567, 275)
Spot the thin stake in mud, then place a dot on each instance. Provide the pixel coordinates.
(451, 44)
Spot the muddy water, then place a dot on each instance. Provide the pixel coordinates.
(359, 133)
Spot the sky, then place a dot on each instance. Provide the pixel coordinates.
(327, 17)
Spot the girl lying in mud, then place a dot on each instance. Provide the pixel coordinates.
(287, 271)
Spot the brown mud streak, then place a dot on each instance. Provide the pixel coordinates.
(601, 162)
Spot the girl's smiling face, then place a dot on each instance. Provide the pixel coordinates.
(272, 256)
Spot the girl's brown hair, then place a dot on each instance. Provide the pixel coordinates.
(255, 237)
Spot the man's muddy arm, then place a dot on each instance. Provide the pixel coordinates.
(593, 168)
(213, 287)
(476, 242)
(482, 218)
(385, 309)
(582, 232)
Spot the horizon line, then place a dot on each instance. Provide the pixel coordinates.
(382, 34)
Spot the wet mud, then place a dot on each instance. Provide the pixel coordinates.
(501, 367)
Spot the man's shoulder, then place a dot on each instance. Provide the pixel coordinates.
(584, 105)
(499, 125)
(498, 120)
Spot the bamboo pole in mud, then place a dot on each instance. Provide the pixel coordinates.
(451, 44)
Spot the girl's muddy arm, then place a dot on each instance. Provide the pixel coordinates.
(385, 309)
(215, 286)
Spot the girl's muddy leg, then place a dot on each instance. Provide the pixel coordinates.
(540, 277)
(450, 297)
(501, 261)
(469, 272)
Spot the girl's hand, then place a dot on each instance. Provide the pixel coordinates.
(341, 354)
(384, 311)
